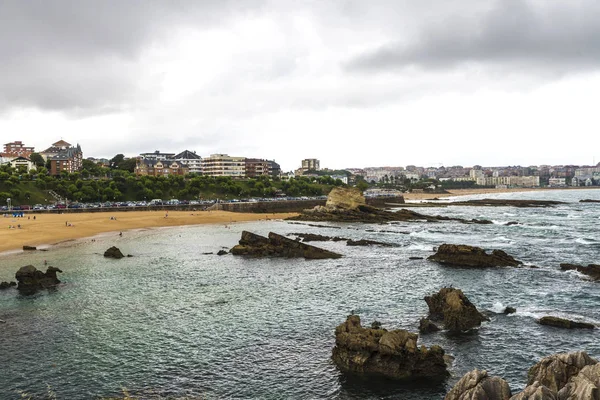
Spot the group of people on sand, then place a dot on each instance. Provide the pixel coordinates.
(67, 223)
(18, 226)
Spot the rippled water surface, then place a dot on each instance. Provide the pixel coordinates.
(173, 321)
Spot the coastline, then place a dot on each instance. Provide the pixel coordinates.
(48, 230)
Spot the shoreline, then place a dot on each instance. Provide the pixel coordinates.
(49, 230)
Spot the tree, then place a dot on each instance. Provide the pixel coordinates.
(362, 185)
(37, 159)
(116, 161)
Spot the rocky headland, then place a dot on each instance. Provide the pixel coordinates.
(276, 245)
(349, 205)
(471, 256)
(564, 376)
(391, 354)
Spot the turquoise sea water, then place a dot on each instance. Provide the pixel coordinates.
(172, 321)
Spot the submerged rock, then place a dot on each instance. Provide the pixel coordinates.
(31, 279)
(313, 237)
(113, 252)
(276, 245)
(477, 385)
(6, 285)
(221, 252)
(509, 310)
(564, 323)
(471, 256)
(455, 310)
(392, 354)
(589, 201)
(365, 242)
(592, 270)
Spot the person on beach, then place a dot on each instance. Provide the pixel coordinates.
(120, 233)
(66, 223)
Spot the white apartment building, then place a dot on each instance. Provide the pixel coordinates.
(224, 165)
(190, 159)
(509, 181)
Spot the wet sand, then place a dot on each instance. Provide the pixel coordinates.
(49, 229)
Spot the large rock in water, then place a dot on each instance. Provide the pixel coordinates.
(471, 256)
(564, 323)
(30, 279)
(477, 385)
(113, 252)
(392, 354)
(345, 198)
(592, 270)
(555, 371)
(455, 310)
(276, 245)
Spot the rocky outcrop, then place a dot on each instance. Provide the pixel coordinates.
(564, 323)
(584, 385)
(313, 237)
(471, 256)
(345, 198)
(30, 279)
(509, 310)
(592, 270)
(454, 309)
(589, 201)
(29, 248)
(536, 391)
(6, 285)
(113, 252)
(392, 354)
(276, 245)
(365, 242)
(221, 252)
(477, 385)
(555, 371)
(426, 326)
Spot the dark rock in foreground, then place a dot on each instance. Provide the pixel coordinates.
(565, 376)
(477, 385)
(564, 323)
(29, 248)
(365, 242)
(455, 310)
(31, 279)
(6, 285)
(510, 310)
(113, 252)
(392, 354)
(277, 246)
(592, 270)
(471, 256)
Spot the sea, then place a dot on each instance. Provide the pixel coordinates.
(175, 322)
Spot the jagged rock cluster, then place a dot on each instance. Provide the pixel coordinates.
(276, 245)
(451, 307)
(113, 252)
(30, 279)
(565, 376)
(392, 354)
(471, 256)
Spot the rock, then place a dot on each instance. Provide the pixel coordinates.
(584, 385)
(592, 270)
(313, 237)
(222, 252)
(426, 326)
(477, 385)
(564, 323)
(511, 223)
(392, 354)
(376, 325)
(415, 258)
(113, 252)
(589, 201)
(6, 285)
(29, 248)
(455, 310)
(276, 245)
(365, 242)
(31, 279)
(555, 371)
(510, 310)
(536, 391)
(345, 198)
(471, 256)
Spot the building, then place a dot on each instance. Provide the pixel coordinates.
(191, 160)
(16, 149)
(159, 167)
(509, 181)
(63, 157)
(157, 155)
(557, 182)
(22, 164)
(309, 164)
(224, 165)
(259, 167)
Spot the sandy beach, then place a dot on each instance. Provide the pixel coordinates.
(48, 229)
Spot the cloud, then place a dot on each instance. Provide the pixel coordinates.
(537, 36)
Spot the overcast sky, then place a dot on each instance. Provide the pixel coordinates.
(353, 83)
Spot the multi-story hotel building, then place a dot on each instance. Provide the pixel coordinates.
(224, 165)
(159, 167)
(16, 149)
(63, 157)
(258, 167)
(192, 160)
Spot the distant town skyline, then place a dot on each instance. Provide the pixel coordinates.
(351, 83)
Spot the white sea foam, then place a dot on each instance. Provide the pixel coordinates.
(498, 308)
(584, 241)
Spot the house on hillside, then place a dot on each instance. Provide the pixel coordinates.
(62, 156)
